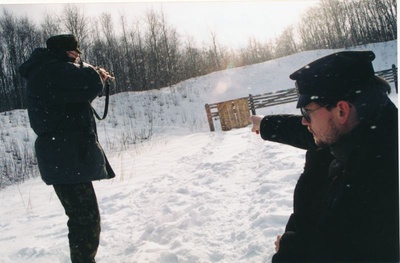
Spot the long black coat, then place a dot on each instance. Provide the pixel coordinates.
(346, 202)
(59, 94)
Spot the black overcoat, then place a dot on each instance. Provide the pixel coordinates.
(346, 202)
(59, 94)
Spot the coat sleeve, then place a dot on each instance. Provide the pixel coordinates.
(68, 82)
(287, 129)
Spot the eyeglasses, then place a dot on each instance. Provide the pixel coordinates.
(306, 112)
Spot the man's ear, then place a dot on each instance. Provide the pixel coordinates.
(343, 111)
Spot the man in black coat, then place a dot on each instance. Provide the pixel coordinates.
(69, 155)
(346, 202)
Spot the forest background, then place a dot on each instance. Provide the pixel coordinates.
(150, 54)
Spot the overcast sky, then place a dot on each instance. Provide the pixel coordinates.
(233, 22)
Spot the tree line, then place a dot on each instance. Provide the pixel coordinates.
(345, 23)
(150, 54)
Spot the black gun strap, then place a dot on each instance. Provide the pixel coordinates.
(106, 103)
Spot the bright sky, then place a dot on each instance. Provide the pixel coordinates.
(233, 22)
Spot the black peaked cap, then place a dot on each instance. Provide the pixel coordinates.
(334, 76)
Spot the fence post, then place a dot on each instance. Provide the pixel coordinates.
(253, 110)
(395, 76)
(209, 117)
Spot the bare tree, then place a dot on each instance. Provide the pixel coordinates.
(255, 52)
(112, 54)
(170, 51)
(139, 54)
(76, 22)
(18, 37)
(336, 24)
(215, 52)
(191, 63)
(153, 56)
(162, 52)
(51, 25)
(285, 44)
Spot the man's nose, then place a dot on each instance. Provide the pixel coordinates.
(305, 122)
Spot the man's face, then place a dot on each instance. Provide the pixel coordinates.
(73, 55)
(321, 123)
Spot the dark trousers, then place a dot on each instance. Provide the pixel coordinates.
(80, 204)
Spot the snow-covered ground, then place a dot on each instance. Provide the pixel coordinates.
(182, 193)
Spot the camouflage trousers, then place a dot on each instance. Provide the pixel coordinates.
(80, 204)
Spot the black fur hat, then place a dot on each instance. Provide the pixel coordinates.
(338, 75)
(66, 42)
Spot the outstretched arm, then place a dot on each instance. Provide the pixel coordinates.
(286, 129)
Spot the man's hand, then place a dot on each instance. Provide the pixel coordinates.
(104, 74)
(277, 241)
(256, 120)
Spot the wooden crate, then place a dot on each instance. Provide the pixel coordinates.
(234, 114)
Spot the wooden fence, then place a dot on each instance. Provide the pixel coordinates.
(236, 113)
(390, 75)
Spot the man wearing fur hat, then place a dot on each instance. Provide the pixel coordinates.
(59, 93)
(346, 202)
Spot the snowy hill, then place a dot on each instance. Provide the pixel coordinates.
(182, 194)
